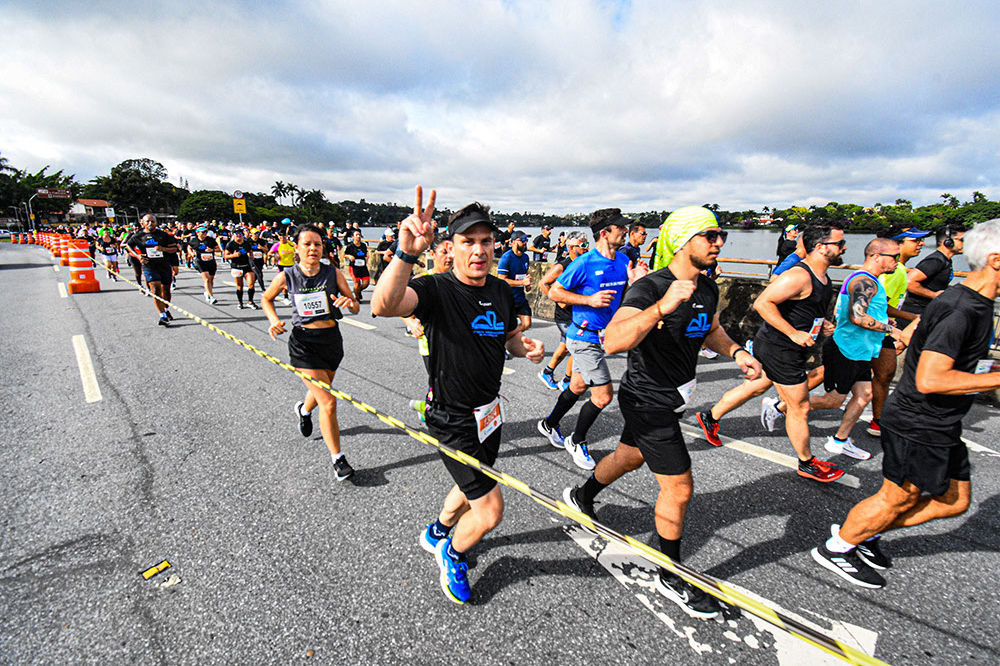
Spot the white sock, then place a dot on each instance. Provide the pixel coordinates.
(336, 456)
(837, 545)
(303, 412)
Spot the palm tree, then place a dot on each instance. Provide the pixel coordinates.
(5, 165)
(279, 190)
(295, 193)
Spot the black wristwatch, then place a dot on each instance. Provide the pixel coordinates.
(408, 258)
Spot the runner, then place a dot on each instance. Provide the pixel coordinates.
(576, 244)
(201, 252)
(258, 250)
(237, 253)
(911, 242)
(794, 308)
(513, 269)
(109, 253)
(315, 345)
(664, 320)
(934, 273)
(925, 463)
(149, 248)
(541, 244)
(593, 285)
(633, 248)
(356, 253)
(385, 249)
(133, 259)
(469, 318)
(283, 254)
(174, 259)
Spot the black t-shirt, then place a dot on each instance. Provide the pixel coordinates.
(242, 260)
(938, 270)
(666, 358)
(150, 244)
(632, 252)
(466, 330)
(357, 257)
(560, 251)
(502, 239)
(541, 242)
(202, 249)
(785, 247)
(563, 313)
(258, 250)
(959, 324)
(382, 246)
(108, 246)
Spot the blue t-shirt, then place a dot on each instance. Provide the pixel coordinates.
(514, 267)
(588, 274)
(786, 263)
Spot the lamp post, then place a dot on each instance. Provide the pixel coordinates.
(31, 213)
(17, 215)
(136, 209)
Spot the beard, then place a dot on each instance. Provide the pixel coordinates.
(704, 263)
(837, 261)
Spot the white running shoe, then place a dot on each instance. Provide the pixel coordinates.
(847, 448)
(708, 353)
(581, 456)
(769, 413)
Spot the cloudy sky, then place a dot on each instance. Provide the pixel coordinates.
(541, 106)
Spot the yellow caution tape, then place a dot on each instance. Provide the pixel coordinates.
(710, 585)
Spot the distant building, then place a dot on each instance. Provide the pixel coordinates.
(88, 210)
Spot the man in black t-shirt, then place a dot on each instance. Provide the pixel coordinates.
(633, 248)
(576, 244)
(150, 247)
(934, 272)
(663, 321)
(237, 253)
(541, 244)
(468, 317)
(385, 249)
(925, 463)
(502, 239)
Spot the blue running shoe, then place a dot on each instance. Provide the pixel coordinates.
(454, 575)
(547, 379)
(563, 383)
(428, 541)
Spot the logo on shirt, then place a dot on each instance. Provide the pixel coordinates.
(698, 327)
(487, 325)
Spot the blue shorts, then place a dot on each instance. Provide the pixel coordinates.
(157, 273)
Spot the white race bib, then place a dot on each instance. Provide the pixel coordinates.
(520, 276)
(687, 391)
(207, 256)
(816, 327)
(984, 366)
(312, 305)
(359, 262)
(154, 253)
(488, 418)
(258, 255)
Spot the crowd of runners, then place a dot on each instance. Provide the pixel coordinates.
(609, 300)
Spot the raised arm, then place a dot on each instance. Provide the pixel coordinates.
(393, 297)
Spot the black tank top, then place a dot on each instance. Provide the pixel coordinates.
(802, 314)
(312, 294)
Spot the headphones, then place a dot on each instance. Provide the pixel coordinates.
(948, 241)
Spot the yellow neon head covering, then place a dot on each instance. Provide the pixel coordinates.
(680, 227)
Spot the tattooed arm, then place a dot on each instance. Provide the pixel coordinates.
(861, 291)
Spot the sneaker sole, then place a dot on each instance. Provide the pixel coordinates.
(568, 499)
(826, 564)
(704, 430)
(871, 563)
(850, 454)
(342, 478)
(873, 433)
(667, 593)
(425, 544)
(807, 475)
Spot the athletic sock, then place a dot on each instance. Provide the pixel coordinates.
(589, 490)
(250, 292)
(336, 456)
(454, 554)
(547, 370)
(439, 530)
(239, 296)
(671, 548)
(564, 403)
(837, 545)
(588, 414)
(302, 411)
(811, 460)
(709, 417)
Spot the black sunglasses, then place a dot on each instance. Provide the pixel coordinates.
(713, 235)
(841, 243)
(894, 256)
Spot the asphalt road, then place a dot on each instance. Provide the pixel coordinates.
(192, 455)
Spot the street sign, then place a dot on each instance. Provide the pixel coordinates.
(44, 193)
(237, 194)
(109, 212)
(239, 206)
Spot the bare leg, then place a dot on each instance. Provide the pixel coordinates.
(883, 369)
(483, 515)
(796, 401)
(738, 395)
(861, 395)
(327, 408)
(672, 503)
(619, 462)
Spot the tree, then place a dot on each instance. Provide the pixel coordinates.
(205, 206)
(279, 190)
(139, 182)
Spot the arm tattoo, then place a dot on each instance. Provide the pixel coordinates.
(862, 291)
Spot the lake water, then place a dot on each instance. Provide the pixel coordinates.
(745, 244)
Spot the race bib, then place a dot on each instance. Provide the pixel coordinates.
(520, 276)
(686, 391)
(984, 366)
(312, 305)
(359, 262)
(488, 418)
(816, 327)
(154, 253)
(207, 256)
(258, 255)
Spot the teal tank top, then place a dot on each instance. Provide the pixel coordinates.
(856, 343)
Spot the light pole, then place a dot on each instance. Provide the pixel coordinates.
(31, 213)
(17, 215)
(136, 209)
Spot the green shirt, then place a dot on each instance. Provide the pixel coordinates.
(895, 284)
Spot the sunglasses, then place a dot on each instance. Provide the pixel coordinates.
(841, 243)
(712, 235)
(584, 244)
(895, 257)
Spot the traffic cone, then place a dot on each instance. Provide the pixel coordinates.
(81, 269)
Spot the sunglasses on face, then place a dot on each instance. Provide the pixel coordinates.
(841, 243)
(713, 235)
(895, 257)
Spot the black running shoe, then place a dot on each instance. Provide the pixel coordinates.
(305, 422)
(572, 497)
(163, 321)
(254, 306)
(169, 316)
(691, 599)
(343, 469)
(871, 553)
(848, 566)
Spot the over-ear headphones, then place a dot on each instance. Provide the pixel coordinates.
(948, 241)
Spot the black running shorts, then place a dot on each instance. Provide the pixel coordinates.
(458, 431)
(315, 348)
(783, 365)
(209, 267)
(841, 373)
(523, 309)
(657, 435)
(930, 468)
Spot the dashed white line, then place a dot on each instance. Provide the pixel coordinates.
(508, 371)
(62, 290)
(91, 390)
(358, 324)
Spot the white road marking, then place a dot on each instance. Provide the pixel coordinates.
(62, 290)
(791, 462)
(56, 268)
(727, 638)
(508, 371)
(91, 390)
(979, 448)
(358, 324)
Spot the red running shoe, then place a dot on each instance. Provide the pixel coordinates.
(874, 429)
(710, 429)
(820, 470)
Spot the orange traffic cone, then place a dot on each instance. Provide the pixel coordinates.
(81, 269)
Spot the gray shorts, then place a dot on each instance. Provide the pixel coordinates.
(588, 360)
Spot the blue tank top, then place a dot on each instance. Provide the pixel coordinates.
(855, 342)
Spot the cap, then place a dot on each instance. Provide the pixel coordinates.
(912, 232)
(469, 220)
(547, 226)
(389, 231)
(519, 235)
(791, 227)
